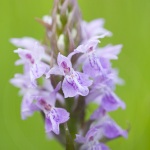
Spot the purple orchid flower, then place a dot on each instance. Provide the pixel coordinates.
(96, 26)
(96, 61)
(112, 130)
(53, 116)
(108, 100)
(40, 100)
(91, 140)
(74, 83)
(102, 92)
(32, 59)
(107, 128)
(23, 82)
(93, 64)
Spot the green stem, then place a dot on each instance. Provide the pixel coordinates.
(69, 141)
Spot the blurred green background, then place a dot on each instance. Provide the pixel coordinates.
(129, 20)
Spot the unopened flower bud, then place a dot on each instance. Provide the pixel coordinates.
(47, 19)
(61, 43)
(65, 21)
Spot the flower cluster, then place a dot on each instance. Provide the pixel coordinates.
(62, 78)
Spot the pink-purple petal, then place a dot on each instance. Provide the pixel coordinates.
(112, 130)
(80, 139)
(111, 102)
(69, 89)
(83, 79)
(48, 125)
(55, 70)
(25, 42)
(63, 115)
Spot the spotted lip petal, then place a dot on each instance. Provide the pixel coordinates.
(55, 117)
(71, 87)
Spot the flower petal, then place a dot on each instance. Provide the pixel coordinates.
(28, 107)
(111, 102)
(69, 89)
(25, 42)
(65, 59)
(55, 125)
(62, 114)
(98, 113)
(80, 139)
(100, 146)
(112, 130)
(37, 70)
(48, 125)
(84, 79)
(55, 70)
(57, 116)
